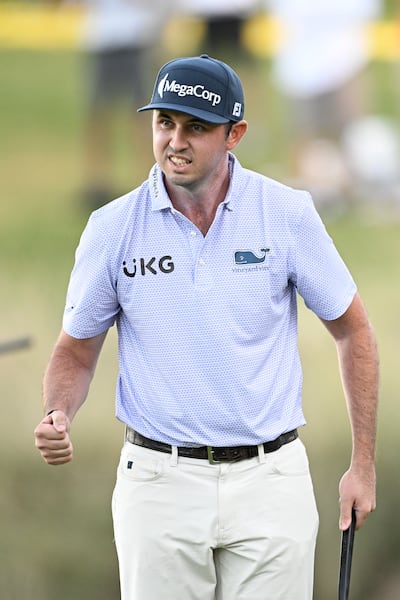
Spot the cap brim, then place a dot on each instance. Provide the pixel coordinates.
(188, 110)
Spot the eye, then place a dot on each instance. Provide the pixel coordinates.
(164, 122)
(198, 127)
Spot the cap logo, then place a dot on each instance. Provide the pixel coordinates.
(160, 88)
(183, 90)
(237, 109)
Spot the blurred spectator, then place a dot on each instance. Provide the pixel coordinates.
(121, 39)
(223, 21)
(320, 70)
(372, 148)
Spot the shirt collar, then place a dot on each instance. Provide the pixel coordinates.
(158, 193)
(234, 167)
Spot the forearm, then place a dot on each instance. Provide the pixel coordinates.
(69, 373)
(65, 388)
(359, 367)
(66, 384)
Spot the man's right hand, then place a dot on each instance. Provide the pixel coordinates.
(52, 438)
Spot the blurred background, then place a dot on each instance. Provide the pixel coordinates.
(322, 83)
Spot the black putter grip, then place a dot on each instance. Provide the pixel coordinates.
(346, 557)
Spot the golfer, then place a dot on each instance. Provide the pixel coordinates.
(199, 269)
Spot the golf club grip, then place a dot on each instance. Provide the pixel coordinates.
(16, 344)
(346, 558)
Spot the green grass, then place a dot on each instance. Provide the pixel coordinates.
(56, 535)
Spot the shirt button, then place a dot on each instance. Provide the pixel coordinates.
(202, 262)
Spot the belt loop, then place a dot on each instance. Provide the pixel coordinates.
(261, 453)
(174, 456)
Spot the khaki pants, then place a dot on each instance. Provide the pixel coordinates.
(186, 529)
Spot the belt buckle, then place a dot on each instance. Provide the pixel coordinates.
(224, 455)
(210, 455)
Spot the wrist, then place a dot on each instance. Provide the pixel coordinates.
(362, 464)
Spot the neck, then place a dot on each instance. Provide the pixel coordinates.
(199, 204)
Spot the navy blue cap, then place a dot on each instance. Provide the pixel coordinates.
(200, 86)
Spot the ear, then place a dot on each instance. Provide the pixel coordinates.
(236, 133)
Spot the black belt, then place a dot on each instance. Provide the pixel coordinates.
(213, 454)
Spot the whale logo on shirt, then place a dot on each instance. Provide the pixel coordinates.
(248, 257)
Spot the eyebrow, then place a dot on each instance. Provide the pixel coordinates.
(191, 119)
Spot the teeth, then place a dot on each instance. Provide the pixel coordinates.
(179, 161)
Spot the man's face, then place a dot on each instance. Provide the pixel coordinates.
(189, 151)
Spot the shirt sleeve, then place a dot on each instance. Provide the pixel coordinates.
(319, 274)
(92, 304)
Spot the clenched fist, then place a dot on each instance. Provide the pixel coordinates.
(52, 438)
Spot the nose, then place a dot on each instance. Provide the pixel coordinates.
(178, 140)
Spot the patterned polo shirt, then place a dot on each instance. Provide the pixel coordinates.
(207, 325)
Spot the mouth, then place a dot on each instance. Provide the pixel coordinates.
(179, 161)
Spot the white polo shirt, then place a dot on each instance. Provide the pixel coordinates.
(207, 325)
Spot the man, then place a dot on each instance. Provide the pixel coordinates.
(199, 268)
(120, 40)
(321, 71)
(223, 22)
